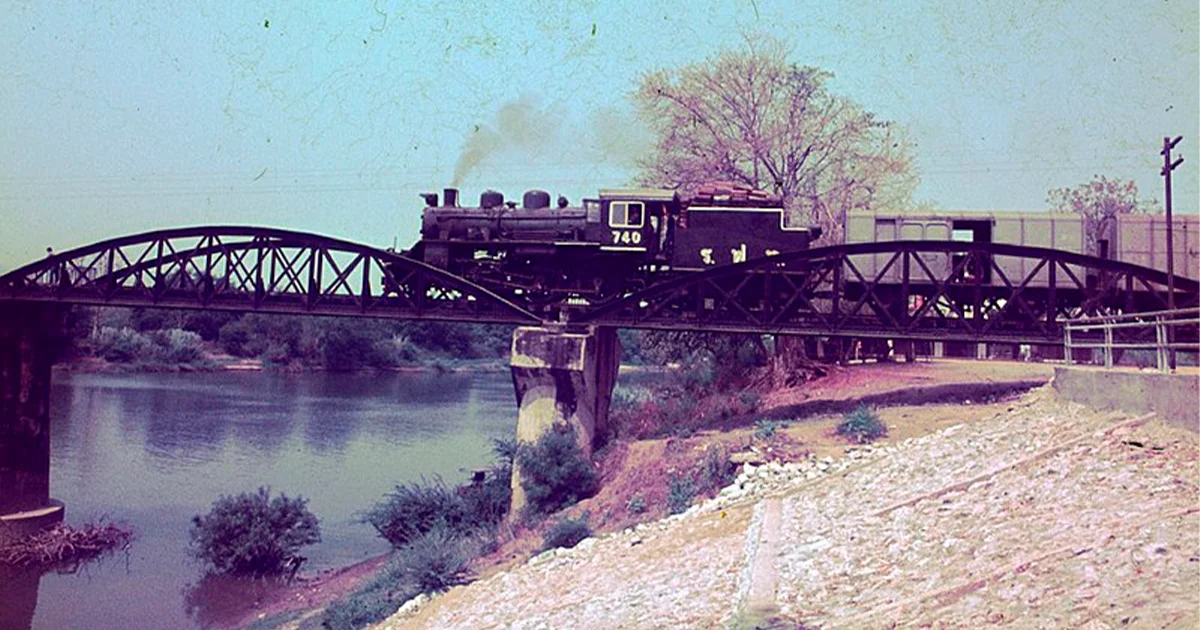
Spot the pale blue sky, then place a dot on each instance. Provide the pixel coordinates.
(139, 115)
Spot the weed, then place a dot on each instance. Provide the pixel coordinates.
(716, 471)
(862, 426)
(637, 504)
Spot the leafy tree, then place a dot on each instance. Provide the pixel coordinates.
(756, 118)
(1099, 202)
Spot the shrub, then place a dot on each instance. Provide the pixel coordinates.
(433, 562)
(862, 426)
(555, 473)
(121, 345)
(177, 345)
(414, 509)
(567, 532)
(485, 504)
(716, 471)
(254, 534)
(680, 493)
(766, 429)
(637, 504)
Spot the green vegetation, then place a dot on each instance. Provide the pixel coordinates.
(637, 504)
(862, 426)
(254, 534)
(766, 429)
(555, 473)
(374, 602)
(567, 532)
(433, 562)
(159, 339)
(680, 493)
(412, 510)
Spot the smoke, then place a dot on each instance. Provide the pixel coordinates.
(534, 135)
(521, 126)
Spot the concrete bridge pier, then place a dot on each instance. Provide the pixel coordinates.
(29, 336)
(563, 381)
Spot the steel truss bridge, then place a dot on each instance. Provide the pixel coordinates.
(916, 290)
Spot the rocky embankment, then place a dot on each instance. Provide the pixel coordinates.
(1042, 514)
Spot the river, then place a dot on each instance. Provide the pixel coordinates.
(152, 450)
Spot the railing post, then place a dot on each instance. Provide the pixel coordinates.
(1160, 345)
(1067, 343)
(1108, 343)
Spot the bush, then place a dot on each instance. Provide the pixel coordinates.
(567, 532)
(415, 509)
(680, 493)
(486, 503)
(554, 472)
(766, 429)
(433, 562)
(176, 345)
(637, 504)
(254, 534)
(716, 471)
(121, 345)
(862, 426)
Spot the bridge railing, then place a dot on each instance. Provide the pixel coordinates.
(1114, 334)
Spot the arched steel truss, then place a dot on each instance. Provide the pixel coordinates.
(932, 290)
(256, 269)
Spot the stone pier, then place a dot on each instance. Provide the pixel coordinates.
(563, 379)
(29, 337)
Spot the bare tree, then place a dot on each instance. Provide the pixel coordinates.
(755, 118)
(1099, 202)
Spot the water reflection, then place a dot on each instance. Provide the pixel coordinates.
(19, 595)
(221, 601)
(153, 450)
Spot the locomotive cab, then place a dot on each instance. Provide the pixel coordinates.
(639, 221)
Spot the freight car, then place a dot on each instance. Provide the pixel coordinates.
(1137, 239)
(609, 245)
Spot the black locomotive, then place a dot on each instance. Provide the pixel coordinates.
(610, 245)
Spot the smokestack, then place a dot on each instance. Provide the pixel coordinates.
(450, 197)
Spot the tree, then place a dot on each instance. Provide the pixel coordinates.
(1099, 202)
(756, 118)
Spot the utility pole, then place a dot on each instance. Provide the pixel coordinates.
(1169, 166)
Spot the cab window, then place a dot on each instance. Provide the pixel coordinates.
(626, 214)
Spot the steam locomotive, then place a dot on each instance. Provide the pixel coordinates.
(609, 245)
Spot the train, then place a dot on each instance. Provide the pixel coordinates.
(617, 242)
(624, 239)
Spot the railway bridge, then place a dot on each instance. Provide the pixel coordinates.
(564, 354)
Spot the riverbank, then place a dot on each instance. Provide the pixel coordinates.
(1017, 511)
(636, 474)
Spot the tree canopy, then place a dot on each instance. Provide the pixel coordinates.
(753, 117)
(1099, 202)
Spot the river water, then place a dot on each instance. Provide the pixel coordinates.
(152, 450)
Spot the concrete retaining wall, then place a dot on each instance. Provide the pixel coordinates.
(1174, 397)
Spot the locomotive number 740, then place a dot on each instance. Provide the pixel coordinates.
(627, 237)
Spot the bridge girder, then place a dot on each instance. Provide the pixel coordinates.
(255, 269)
(920, 290)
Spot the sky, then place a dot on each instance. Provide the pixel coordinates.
(122, 117)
